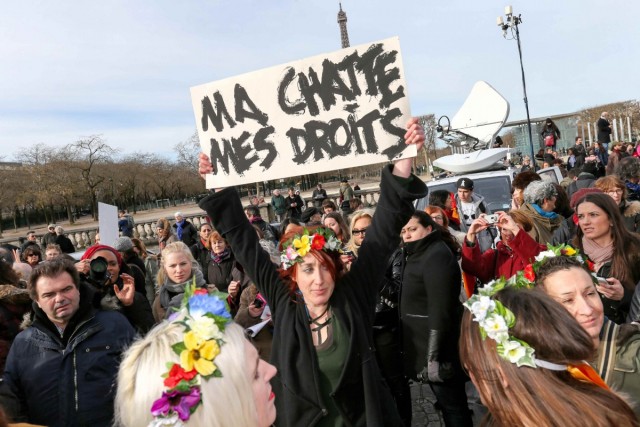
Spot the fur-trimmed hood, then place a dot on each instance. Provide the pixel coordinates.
(631, 208)
(11, 294)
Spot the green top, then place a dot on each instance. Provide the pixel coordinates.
(331, 361)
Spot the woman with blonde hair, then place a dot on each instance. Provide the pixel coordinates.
(358, 225)
(177, 270)
(524, 367)
(226, 385)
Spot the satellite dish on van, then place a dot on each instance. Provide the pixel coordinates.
(478, 121)
(472, 162)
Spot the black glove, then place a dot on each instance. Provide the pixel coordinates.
(435, 371)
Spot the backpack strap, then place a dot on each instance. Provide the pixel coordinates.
(607, 353)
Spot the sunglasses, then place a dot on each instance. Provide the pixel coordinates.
(357, 232)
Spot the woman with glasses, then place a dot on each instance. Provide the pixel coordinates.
(630, 209)
(439, 216)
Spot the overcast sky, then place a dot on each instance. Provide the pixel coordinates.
(123, 69)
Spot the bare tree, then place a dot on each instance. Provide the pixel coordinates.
(87, 154)
(187, 152)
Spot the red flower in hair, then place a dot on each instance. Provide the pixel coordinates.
(318, 242)
(591, 265)
(177, 374)
(529, 274)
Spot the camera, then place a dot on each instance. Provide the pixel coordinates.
(491, 219)
(98, 274)
(257, 303)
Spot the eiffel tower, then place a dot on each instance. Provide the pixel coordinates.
(342, 22)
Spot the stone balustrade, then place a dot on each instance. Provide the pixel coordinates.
(82, 238)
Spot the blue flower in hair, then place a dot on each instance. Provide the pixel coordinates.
(200, 305)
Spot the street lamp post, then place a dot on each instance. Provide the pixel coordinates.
(512, 23)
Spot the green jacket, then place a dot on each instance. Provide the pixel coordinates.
(622, 373)
(278, 204)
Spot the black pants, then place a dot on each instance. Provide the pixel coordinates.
(389, 355)
(452, 398)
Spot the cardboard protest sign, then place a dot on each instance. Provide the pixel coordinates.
(343, 109)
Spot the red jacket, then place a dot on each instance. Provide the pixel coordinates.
(488, 266)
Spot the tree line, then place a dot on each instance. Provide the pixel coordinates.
(45, 183)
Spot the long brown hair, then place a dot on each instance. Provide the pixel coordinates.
(539, 397)
(626, 245)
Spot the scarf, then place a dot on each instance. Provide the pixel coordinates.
(596, 253)
(223, 256)
(542, 212)
(179, 226)
(169, 290)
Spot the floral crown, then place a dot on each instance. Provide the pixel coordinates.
(296, 248)
(530, 272)
(204, 323)
(495, 319)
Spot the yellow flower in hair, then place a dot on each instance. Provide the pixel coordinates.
(302, 245)
(199, 354)
(569, 251)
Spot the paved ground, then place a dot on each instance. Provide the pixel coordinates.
(425, 413)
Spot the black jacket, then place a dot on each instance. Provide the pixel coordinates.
(189, 233)
(202, 255)
(429, 301)
(604, 130)
(69, 380)
(65, 244)
(362, 396)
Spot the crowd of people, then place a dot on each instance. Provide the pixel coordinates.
(326, 319)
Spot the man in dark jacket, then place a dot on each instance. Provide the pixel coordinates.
(579, 152)
(318, 196)
(294, 204)
(604, 134)
(49, 237)
(61, 370)
(63, 241)
(585, 179)
(184, 230)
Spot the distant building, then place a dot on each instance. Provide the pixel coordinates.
(567, 124)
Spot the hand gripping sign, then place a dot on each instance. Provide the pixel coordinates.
(343, 109)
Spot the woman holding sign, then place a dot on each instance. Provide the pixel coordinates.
(322, 345)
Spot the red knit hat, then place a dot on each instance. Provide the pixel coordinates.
(95, 248)
(581, 193)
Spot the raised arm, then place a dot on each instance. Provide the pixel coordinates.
(398, 190)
